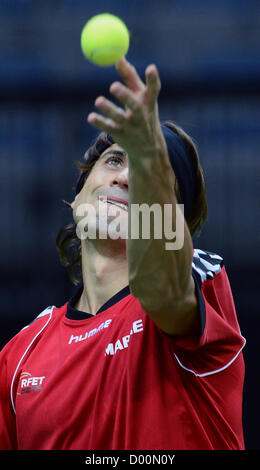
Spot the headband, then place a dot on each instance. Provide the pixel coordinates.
(183, 168)
(180, 162)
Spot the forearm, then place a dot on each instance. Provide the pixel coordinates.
(151, 181)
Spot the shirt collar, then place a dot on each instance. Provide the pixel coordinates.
(75, 314)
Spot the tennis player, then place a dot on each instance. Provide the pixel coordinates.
(147, 352)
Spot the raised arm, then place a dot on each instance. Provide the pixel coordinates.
(161, 279)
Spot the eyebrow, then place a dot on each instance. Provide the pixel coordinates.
(120, 153)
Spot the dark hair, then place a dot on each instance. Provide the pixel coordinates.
(67, 242)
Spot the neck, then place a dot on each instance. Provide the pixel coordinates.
(104, 272)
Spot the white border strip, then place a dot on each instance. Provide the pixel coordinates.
(213, 371)
(27, 349)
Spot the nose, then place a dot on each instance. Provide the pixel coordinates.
(121, 179)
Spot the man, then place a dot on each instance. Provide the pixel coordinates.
(147, 353)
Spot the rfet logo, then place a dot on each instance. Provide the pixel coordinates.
(29, 384)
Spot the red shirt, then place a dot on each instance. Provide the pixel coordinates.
(114, 380)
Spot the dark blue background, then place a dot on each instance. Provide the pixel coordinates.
(207, 53)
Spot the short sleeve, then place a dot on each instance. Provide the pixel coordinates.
(221, 341)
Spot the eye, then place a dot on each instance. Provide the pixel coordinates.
(114, 161)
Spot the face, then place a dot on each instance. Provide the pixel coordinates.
(106, 191)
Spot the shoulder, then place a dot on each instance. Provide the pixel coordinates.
(19, 347)
(206, 265)
(221, 341)
(212, 282)
(215, 292)
(26, 337)
(46, 314)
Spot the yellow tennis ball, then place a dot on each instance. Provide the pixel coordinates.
(104, 39)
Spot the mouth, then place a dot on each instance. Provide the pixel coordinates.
(121, 205)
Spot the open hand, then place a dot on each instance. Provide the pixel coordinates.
(136, 126)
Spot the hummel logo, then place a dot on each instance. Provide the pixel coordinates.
(29, 383)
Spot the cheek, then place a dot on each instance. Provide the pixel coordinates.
(75, 211)
(94, 180)
(87, 195)
(78, 206)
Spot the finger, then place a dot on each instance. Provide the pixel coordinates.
(129, 75)
(103, 123)
(125, 96)
(153, 84)
(108, 108)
